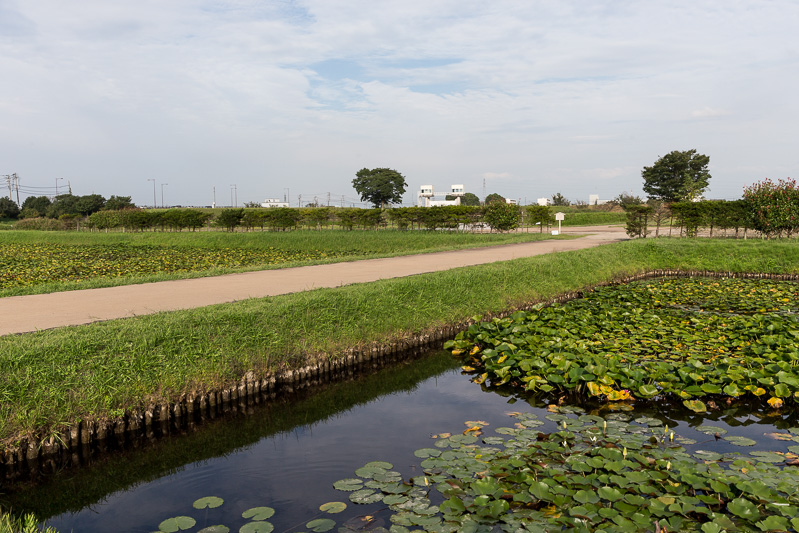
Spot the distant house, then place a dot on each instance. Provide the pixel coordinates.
(274, 202)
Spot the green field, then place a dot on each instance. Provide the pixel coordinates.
(51, 379)
(41, 262)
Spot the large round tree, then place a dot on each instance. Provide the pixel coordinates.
(379, 186)
(677, 176)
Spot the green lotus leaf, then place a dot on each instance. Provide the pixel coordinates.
(209, 502)
(740, 441)
(333, 507)
(743, 508)
(215, 529)
(348, 484)
(177, 523)
(321, 525)
(260, 526)
(258, 513)
(711, 430)
(427, 452)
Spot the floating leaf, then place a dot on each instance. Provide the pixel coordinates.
(177, 523)
(257, 527)
(775, 403)
(348, 484)
(210, 502)
(333, 507)
(696, 406)
(215, 529)
(743, 508)
(321, 524)
(740, 441)
(258, 513)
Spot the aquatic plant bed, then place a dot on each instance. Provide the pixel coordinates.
(716, 339)
(617, 473)
(33, 264)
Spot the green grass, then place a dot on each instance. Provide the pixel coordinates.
(34, 262)
(586, 216)
(50, 379)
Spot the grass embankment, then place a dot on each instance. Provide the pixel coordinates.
(49, 380)
(35, 262)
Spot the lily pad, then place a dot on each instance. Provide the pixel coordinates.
(333, 507)
(260, 526)
(258, 513)
(177, 523)
(320, 525)
(215, 529)
(209, 502)
(740, 441)
(349, 484)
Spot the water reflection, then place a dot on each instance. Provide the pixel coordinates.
(287, 455)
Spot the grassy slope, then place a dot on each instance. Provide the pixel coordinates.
(50, 379)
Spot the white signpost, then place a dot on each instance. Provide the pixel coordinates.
(558, 217)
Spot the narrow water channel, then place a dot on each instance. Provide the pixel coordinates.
(288, 455)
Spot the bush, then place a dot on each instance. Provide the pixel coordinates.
(501, 216)
(41, 224)
(773, 207)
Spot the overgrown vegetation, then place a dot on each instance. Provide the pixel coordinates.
(617, 473)
(685, 338)
(36, 262)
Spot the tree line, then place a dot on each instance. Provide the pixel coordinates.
(498, 216)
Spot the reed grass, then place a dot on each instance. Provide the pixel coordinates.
(51, 379)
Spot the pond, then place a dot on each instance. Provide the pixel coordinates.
(288, 456)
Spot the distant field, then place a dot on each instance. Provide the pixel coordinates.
(39, 262)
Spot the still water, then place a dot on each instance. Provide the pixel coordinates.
(288, 455)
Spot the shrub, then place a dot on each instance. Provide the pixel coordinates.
(773, 207)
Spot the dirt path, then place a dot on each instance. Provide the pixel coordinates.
(23, 314)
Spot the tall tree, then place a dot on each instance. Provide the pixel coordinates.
(379, 186)
(494, 197)
(560, 200)
(677, 176)
(8, 208)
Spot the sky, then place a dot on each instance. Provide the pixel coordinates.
(190, 102)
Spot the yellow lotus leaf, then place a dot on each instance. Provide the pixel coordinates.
(619, 395)
(760, 391)
(467, 368)
(457, 351)
(606, 389)
(473, 429)
(502, 359)
(593, 388)
(774, 402)
(480, 379)
(475, 350)
(779, 436)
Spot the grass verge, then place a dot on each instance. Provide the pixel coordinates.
(49, 380)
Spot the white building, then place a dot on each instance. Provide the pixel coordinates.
(274, 202)
(427, 195)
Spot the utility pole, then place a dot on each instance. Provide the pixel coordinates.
(328, 199)
(214, 204)
(342, 200)
(155, 204)
(287, 195)
(56, 186)
(162, 194)
(299, 200)
(16, 186)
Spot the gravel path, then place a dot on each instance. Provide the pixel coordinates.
(23, 314)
